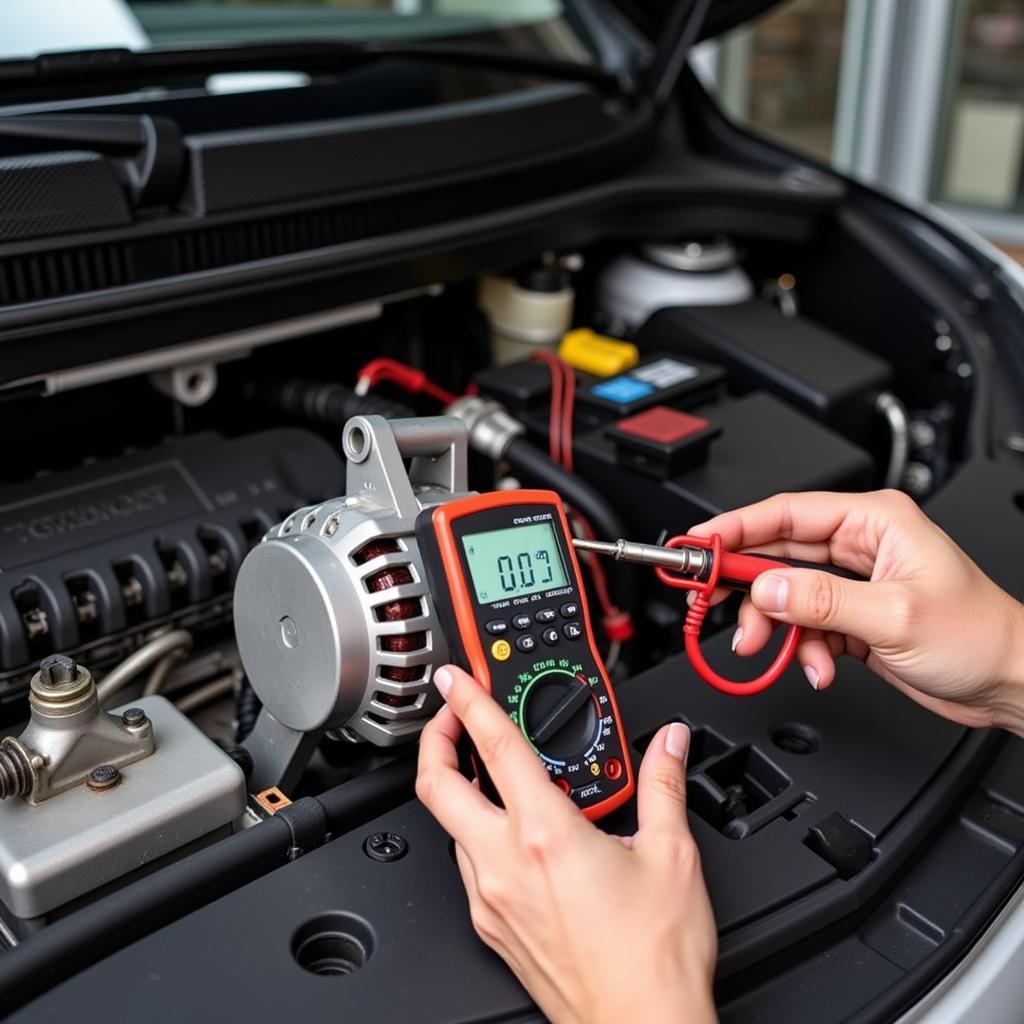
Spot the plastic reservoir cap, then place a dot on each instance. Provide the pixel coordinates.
(590, 352)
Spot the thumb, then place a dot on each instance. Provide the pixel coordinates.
(661, 784)
(822, 601)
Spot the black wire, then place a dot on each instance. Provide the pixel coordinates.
(324, 401)
(247, 710)
(527, 459)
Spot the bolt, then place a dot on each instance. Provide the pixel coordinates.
(177, 576)
(132, 592)
(105, 776)
(289, 632)
(57, 669)
(133, 717)
(922, 434)
(385, 847)
(917, 479)
(87, 607)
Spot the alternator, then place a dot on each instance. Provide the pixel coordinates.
(335, 625)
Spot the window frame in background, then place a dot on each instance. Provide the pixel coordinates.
(899, 73)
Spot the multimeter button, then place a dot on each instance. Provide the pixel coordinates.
(521, 621)
(572, 631)
(550, 637)
(613, 768)
(569, 610)
(526, 643)
(563, 785)
(501, 650)
(496, 627)
(545, 615)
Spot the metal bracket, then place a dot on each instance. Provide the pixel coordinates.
(376, 449)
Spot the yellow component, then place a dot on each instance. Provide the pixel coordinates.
(595, 769)
(501, 650)
(593, 353)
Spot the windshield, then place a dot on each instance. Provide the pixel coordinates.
(46, 25)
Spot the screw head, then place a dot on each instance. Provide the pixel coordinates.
(104, 776)
(57, 669)
(133, 717)
(385, 847)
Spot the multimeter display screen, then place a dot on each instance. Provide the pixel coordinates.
(515, 561)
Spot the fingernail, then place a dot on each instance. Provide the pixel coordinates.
(443, 680)
(691, 596)
(677, 742)
(812, 675)
(770, 592)
(736, 638)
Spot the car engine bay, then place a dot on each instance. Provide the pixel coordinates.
(217, 636)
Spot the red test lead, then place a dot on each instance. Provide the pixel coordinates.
(699, 564)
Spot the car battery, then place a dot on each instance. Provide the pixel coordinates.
(754, 446)
(814, 369)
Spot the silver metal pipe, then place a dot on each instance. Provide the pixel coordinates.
(148, 654)
(899, 432)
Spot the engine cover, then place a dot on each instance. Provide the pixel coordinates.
(95, 557)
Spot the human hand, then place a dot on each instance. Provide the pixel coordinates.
(597, 928)
(929, 621)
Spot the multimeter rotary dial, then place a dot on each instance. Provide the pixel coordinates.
(560, 715)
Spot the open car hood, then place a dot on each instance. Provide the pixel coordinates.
(722, 14)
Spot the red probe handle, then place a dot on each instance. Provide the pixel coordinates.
(727, 569)
(745, 568)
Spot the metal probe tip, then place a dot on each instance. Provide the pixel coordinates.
(599, 547)
(691, 561)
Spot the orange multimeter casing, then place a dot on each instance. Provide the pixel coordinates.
(507, 588)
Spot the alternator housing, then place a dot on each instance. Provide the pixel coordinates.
(335, 625)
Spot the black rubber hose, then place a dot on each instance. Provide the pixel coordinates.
(323, 402)
(379, 790)
(99, 929)
(526, 458)
(113, 922)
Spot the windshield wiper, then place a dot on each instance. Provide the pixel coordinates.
(61, 72)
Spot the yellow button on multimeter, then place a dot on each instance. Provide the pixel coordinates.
(501, 650)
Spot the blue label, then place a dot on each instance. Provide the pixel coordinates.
(622, 389)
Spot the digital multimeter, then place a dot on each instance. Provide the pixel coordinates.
(506, 584)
